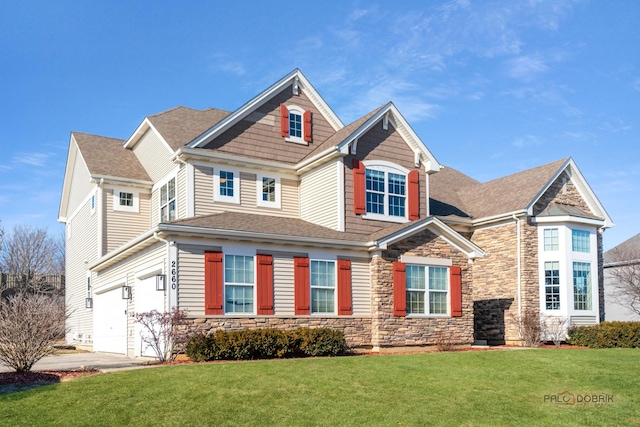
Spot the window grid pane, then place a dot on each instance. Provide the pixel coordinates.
(323, 283)
(552, 285)
(580, 241)
(438, 278)
(437, 302)
(415, 302)
(551, 239)
(126, 199)
(226, 183)
(239, 279)
(415, 277)
(269, 189)
(581, 286)
(295, 125)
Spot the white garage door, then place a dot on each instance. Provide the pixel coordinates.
(146, 300)
(110, 322)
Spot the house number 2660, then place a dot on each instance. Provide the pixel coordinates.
(174, 275)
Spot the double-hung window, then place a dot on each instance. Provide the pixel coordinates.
(386, 193)
(168, 201)
(239, 282)
(552, 285)
(323, 287)
(427, 289)
(582, 286)
(226, 185)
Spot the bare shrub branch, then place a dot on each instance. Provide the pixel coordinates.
(162, 332)
(29, 323)
(625, 272)
(529, 328)
(554, 328)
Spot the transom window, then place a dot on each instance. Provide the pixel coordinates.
(582, 286)
(580, 241)
(427, 289)
(385, 193)
(168, 201)
(551, 239)
(238, 283)
(552, 285)
(323, 286)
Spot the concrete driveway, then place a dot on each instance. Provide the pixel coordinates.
(102, 361)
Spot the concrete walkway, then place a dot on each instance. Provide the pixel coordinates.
(105, 362)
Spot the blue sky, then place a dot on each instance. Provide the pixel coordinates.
(491, 87)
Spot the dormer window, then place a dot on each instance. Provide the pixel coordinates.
(295, 124)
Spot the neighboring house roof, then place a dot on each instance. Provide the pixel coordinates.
(181, 125)
(625, 252)
(105, 157)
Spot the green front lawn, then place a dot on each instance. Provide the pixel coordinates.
(494, 388)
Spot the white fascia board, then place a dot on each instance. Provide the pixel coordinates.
(236, 235)
(66, 185)
(129, 248)
(544, 189)
(137, 134)
(185, 154)
(122, 182)
(568, 219)
(477, 222)
(263, 97)
(318, 160)
(440, 229)
(343, 147)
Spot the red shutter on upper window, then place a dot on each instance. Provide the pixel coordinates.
(264, 282)
(301, 285)
(213, 282)
(344, 288)
(414, 194)
(359, 193)
(307, 125)
(284, 120)
(399, 289)
(455, 288)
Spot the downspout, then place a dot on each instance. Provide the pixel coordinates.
(518, 262)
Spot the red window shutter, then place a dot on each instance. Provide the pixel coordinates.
(301, 285)
(344, 288)
(399, 289)
(307, 125)
(455, 288)
(213, 282)
(284, 120)
(359, 196)
(264, 282)
(414, 195)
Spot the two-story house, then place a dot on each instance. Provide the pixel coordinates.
(279, 215)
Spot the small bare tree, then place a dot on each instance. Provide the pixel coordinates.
(29, 323)
(529, 328)
(554, 328)
(162, 332)
(624, 268)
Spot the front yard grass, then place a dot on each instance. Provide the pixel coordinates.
(496, 388)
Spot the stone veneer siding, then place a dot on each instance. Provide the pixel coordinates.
(357, 330)
(389, 330)
(558, 192)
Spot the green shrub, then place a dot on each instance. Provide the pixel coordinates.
(606, 335)
(266, 343)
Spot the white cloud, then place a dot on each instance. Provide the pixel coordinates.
(526, 141)
(526, 67)
(32, 159)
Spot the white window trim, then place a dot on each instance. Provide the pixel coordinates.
(224, 285)
(263, 203)
(217, 197)
(159, 195)
(386, 167)
(295, 139)
(116, 200)
(427, 291)
(335, 288)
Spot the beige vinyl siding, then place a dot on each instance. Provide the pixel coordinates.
(126, 272)
(205, 205)
(583, 320)
(191, 279)
(121, 226)
(81, 251)
(81, 184)
(361, 287)
(154, 212)
(283, 288)
(181, 192)
(319, 196)
(154, 155)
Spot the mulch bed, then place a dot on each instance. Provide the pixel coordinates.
(12, 381)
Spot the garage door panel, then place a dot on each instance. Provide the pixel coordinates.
(110, 322)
